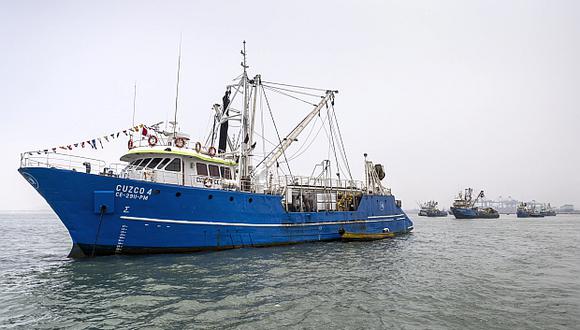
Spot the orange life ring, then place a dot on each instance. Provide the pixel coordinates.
(152, 140)
(207, 182)
(211, 151)
(130, 144)
(179, 142)
(197, 147)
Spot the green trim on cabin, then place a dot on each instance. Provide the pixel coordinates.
(183, 153)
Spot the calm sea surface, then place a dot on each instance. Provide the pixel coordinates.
(449, 274)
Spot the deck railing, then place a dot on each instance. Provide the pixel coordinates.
(278, 186)
(66, 162)
(322, 182)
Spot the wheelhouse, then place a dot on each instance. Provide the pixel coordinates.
(179, 167)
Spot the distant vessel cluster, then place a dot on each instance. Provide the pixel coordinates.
(535, 210)
(466, 207)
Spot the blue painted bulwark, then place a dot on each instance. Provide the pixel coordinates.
(149, 217)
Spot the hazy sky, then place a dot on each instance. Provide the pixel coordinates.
(446, 94)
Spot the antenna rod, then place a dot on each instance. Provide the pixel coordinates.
(134, 101)
(177, 88)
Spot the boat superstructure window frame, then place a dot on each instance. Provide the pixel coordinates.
(201, 169)
(154, 162)
(178, 167)
(143, 163)
(214, 170)
(164, 162)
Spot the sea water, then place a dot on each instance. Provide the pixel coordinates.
(505, 273)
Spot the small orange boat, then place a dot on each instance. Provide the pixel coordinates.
(349, 237)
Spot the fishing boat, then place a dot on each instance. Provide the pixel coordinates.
(532, 210)
(429, 209)
(464, 207)
(548, 211)
(523, 210)
(173, 194)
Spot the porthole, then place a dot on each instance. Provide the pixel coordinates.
(178, 194)
(250, 200)
(231, 198)
(209, 196)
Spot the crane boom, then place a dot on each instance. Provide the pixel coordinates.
(288, 140)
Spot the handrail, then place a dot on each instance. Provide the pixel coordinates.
(62, 161)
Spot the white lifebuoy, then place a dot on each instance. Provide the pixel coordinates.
(152, 140)
(197, 147)
(179, 142)
(207, 182)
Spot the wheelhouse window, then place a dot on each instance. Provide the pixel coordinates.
(163, 163)
(143, 163)
(136, 161)
(174, 165)
(201, 169)
(226, 173)
(214, 171)
(154, 163)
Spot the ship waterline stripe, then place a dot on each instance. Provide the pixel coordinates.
(385, 216)
(243, 224)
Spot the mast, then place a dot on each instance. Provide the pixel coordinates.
(177, 90)
(256, 82)
(243, 163)
(134, 101)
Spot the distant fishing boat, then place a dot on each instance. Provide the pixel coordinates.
(429, 209)
(548, 211)
(171, 194)
(528, 210)
(523, 210)
(464, 207)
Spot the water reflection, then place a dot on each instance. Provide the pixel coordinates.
(448, 274)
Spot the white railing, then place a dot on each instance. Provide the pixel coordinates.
(278, 186)
(66, 162)
(322, 182)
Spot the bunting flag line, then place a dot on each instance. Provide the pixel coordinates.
(144, 129)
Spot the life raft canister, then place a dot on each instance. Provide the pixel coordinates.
(152, 140)
(197, 147)
(179, 142)
(211, 151)
(130, 144)
(207, 182)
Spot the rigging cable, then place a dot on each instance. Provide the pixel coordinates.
(296, 86)
(276, 128)
(341, 141)
(265, 140)
(262, 123)
(331, 129)
(288, 95)
(300, 152)
(293, 91)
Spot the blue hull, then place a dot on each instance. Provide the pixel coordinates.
(471, 213)
(108, 215)
(522, 214)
